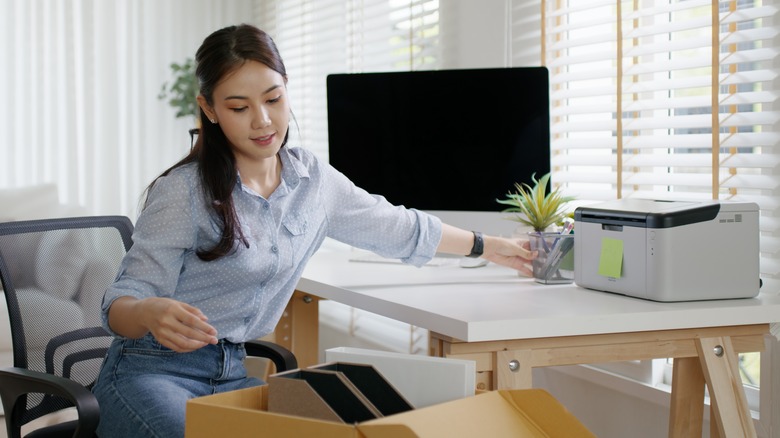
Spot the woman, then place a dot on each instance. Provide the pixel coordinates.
(224, 236)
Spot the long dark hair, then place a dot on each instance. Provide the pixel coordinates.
(221, 53)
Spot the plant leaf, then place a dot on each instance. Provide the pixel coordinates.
(536, 207)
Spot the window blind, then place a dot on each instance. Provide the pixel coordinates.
(668, 99)
(317, 38)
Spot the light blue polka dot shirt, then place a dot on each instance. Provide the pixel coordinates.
(244, 294)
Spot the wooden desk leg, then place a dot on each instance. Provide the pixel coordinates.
(298, 329)
(687, 405)
(512, 370)
(714, 430)
(727, 395)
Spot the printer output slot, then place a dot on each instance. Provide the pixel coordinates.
(610, 227)
(604, 219)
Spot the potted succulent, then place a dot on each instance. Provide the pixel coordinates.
(540, 210)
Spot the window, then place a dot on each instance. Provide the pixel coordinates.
(632, 97)
(634, 85)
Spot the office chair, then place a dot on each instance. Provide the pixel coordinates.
(54, 273)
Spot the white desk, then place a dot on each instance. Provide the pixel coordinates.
(510, 325)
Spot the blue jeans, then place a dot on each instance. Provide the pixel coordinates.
(143, 387)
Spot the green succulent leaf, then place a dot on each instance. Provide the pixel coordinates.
(534, 206)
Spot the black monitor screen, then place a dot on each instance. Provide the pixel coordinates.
(441, 140)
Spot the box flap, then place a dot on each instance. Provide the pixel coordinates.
(546, 412)
(494, 414)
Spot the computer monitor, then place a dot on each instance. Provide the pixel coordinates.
(449, 142)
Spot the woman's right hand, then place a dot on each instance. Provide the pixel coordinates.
(176, 325)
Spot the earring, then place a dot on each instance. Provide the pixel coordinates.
(212, 121)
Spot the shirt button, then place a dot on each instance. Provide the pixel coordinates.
(266, 207)
(274, 249)
(247, 319)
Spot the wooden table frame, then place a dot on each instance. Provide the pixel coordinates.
(298, 329)
(705, 356)
(701, 356)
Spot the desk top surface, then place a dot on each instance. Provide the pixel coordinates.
(494, 303)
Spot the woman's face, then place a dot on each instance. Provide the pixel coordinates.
(251, 107)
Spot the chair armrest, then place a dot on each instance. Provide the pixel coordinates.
(280, 356)
(17, 382)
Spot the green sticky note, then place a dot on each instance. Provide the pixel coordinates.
(611, 260)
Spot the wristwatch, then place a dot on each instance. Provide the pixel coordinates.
(479, 245)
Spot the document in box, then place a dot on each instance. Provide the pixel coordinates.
(422, 380)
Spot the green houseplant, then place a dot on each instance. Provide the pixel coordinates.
(537, 208)
(182, 92)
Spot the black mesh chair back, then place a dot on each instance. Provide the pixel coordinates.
(54, 273)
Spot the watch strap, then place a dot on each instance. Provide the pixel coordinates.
(479, 245)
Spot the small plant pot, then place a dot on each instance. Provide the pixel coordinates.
(554, 263)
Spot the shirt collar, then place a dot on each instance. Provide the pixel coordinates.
(293, 170)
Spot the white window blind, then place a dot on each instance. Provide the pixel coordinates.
(320, 37)
(317, 38)
(668, 99)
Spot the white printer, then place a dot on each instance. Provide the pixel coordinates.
(668, 250)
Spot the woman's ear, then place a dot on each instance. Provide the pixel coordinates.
(207, 108)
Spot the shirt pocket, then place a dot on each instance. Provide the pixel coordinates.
(295, 228)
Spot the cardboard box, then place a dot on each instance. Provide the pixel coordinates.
(527, 413)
